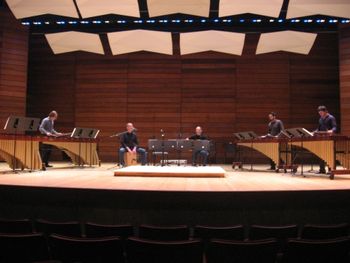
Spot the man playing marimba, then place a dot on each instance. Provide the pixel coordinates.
(204, 153)
(275, 127)
(129, 142)
(47, 128)
(326, 123)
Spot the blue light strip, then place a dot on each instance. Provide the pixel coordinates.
(191, 21)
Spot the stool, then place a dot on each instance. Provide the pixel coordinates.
(130, 159)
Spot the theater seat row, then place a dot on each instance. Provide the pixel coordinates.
(56, 248)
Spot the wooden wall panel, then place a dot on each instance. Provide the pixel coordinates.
(101, 98)
(51, 84)
(344, 66)
(315, 81)
(222, 93)
(262, 87)
(13, 66)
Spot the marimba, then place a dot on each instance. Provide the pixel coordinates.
(22, 152)
(330, 149)
(81, 151)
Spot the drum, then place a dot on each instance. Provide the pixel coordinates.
(130, 159)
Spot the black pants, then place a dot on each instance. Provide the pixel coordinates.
(273, 165)
(45, 152)
(322, 166)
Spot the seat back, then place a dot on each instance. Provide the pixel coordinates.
(325, 231)
(18, 226)
(227, 232)
(97, 230)
(165, 233)
(225, 251)
(257, 232)
(321, 251)
(71, 228)
(74, 249)
(281, 233)
(141, 250)
(23, 248)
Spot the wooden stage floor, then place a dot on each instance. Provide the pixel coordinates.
(102, 178)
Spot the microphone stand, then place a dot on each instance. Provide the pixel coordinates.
(117, 134)
(163, 156)
(179, 150)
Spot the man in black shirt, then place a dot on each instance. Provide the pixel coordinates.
(204, 153)
(326, 123)
(129, 142)
(275, 127)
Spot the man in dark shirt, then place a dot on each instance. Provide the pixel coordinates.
(326, 123)
(204, 153)
(47, 128)
(129, 142)
(275, 127)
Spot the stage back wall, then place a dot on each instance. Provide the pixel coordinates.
(222, 93)
(13, 66)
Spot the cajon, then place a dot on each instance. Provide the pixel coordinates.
(130, 159)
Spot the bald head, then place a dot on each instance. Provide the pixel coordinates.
(199, 130)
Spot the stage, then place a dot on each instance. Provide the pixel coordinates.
(94, 194)
(63, 175)
(171, 171)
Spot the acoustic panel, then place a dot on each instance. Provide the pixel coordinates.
(91, 8)
(140, 40)
(168, 7)
(290, 41)
(28, 8)
(74, 41)
(260, 7)
(300, 8)
(220, 41)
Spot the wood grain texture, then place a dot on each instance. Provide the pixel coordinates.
(13, 66)
(222, 93)
(344, 68)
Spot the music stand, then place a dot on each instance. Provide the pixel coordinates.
(238, 136)
(170, 145)
(248, 135)
(77, 133)
(199, 145)
(157, 147)
(294, 132)
(15, 125)
(183, 145)
(298, 133)
(31, 125)
(304, 132)
(89, 133)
